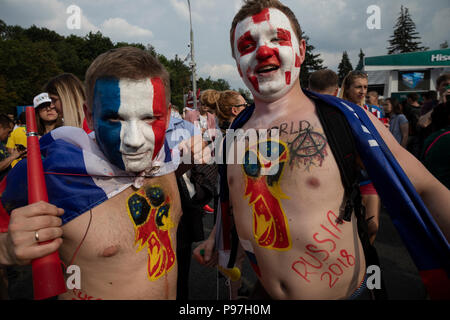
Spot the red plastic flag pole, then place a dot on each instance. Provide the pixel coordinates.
(48, 279)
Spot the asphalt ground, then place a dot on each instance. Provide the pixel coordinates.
(400, 276)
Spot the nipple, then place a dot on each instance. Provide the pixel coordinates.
(110, 251)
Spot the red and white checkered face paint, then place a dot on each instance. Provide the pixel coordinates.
(267, 54)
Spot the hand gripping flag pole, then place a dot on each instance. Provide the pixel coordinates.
(48, 280)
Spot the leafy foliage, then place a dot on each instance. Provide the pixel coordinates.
(30, 57)
(345, 66)
(405, 35)
(312, 62)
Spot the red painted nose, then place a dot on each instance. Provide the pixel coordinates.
(264, 53)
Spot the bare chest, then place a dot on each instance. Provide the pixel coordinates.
(125, 224)
(293, 170)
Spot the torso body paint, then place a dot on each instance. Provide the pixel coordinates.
(149, 209)
(127, 254)
(296, 208)
(270, 226)
(130, 121)
(268, 57)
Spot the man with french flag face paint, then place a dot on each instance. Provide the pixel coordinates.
(130, 119)
(268, 54)
(112, 193)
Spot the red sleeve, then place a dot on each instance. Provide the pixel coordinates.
(4, 216)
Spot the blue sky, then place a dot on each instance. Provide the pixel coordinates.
(332, 25)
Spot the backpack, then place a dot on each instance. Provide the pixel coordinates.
(343, 147)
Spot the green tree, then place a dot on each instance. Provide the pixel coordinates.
(30, 57)
(360, 65)
(405, 35)
(26, 66)
(312, 62)
(345, 66)
(8, 97)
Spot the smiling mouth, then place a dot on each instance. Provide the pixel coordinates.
(267, 69)
(134, 156)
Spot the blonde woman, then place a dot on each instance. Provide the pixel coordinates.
(68, 95)
(354, 89)
(229, 105)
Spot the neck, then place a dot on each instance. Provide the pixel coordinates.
(49, 126)
(294, 97)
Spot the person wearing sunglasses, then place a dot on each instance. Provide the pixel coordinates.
(47, 117)
(229, 105)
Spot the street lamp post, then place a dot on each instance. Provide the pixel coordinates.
(192, 63)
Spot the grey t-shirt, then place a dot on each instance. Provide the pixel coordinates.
(394, 125)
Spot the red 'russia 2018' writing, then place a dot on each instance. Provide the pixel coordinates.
(316, 260)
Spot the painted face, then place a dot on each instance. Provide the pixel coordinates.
(267, 54)
(130, 121)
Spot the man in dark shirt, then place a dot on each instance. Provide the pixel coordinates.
(412, 113)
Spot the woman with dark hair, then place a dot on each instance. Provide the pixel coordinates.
(47, 116)
(398, 124)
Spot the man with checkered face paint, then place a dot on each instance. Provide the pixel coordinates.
(288, 213)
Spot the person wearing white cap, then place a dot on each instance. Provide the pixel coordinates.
(47, 117)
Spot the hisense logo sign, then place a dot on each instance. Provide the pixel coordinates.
(440, 57)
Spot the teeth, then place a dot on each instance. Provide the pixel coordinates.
(268, 68)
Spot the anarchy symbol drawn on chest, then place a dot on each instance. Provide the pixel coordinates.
(149, 210)
(308, 147)
(263, 169)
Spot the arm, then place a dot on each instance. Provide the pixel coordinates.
(19, 246)
(433, 193)
(404, 129)
(209, 257)
(7, 161)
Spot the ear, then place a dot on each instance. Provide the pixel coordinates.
(169, 110)
(302, 46)
(234, 111)
(336, 92)
(88, 116)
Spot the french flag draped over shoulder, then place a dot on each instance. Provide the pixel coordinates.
(425, 242)
(77, 174)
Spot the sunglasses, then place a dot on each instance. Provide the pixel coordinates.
(47, 108)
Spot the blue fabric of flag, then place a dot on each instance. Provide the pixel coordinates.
(77, 174)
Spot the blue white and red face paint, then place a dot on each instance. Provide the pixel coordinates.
(267, 53)
(130, 121)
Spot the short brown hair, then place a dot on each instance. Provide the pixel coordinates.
(125, 63)
(252, 7)
(321, 80)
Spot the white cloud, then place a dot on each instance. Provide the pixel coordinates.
(119, 29)
(220, 71)
(182, 9)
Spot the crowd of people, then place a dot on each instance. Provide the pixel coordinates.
(124, 211)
